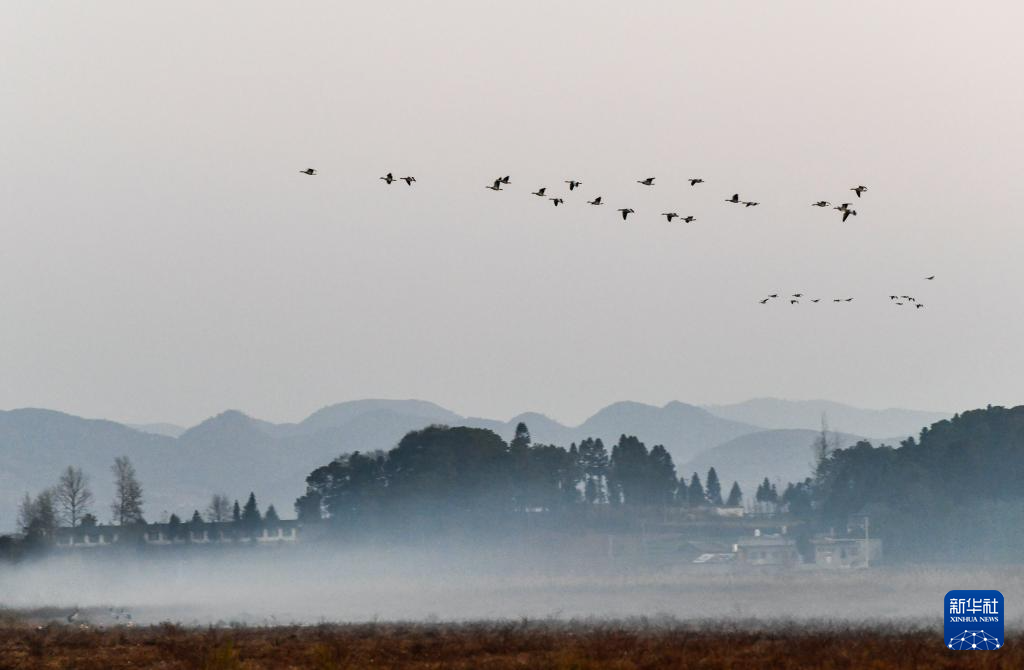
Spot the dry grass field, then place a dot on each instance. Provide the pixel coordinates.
(493, 645)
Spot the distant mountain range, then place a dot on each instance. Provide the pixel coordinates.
(234, 453)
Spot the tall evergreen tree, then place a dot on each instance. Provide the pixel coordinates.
(594, 462)
(682, 497)
(714, 488)
(521, 442)
(629, 471)
(695, 492)
(251, 517)
(735, 496)
(662, 473)
(270, 516)
(236, 513)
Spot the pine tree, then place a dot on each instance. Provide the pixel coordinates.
(236, 513)
(681, 492)
(251, 513)
(735, 496)
(714, 488)
(662, 475)
(695, 492)
(270, 517)
(521, 442)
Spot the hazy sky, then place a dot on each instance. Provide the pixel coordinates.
(163, 259)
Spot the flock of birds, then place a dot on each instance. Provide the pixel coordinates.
(899, 300)
(845, 210)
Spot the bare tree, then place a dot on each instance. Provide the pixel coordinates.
(219, 508)
(73, 496)
(127, 505)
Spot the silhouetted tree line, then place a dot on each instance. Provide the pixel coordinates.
(69, 504)
(442, 472)
(955, 493)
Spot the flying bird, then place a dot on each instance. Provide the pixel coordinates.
(816, 300)
(540, 191)
(573, 184)
(695, 181)
(821, 203)
(750, 204)
(557, 201)
(626, 212)
(688, 219)
(734, 199)
(504, 180)
(647, 182)
(919, 305)
(595, 201)
(798, 295)
(388, 178)
(764, 301)
(930, 278)
(774, 295)
(837, 300)
(496, 186)
(845, 209)
(859, 189)
(794, 302)
(848, 299)
(408, 180)
(670, 216)
(309, 171)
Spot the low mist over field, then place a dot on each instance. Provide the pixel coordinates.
(471, 583)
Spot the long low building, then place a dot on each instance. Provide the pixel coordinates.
(164, 534)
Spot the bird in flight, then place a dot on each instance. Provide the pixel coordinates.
(408, 180)
(309, 171)
(504, 180)
(734, 199)
(573, 184)
(837, 299)
(930, 278)
(388, 178)
(848, 300)
(919, 305)
(845, 209)
(670, 216)
(647, 182)
(893, 297)
(540, 191)
(774, 295)
(859, 189)
(798, 295)
(816, 300)
(595, 201)
(626, 212)
(750, 203)
(496, 186)
(695, 181)
(794, 302)
(821, 203)
(557, 201)
(688, 219)
(765, 300)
